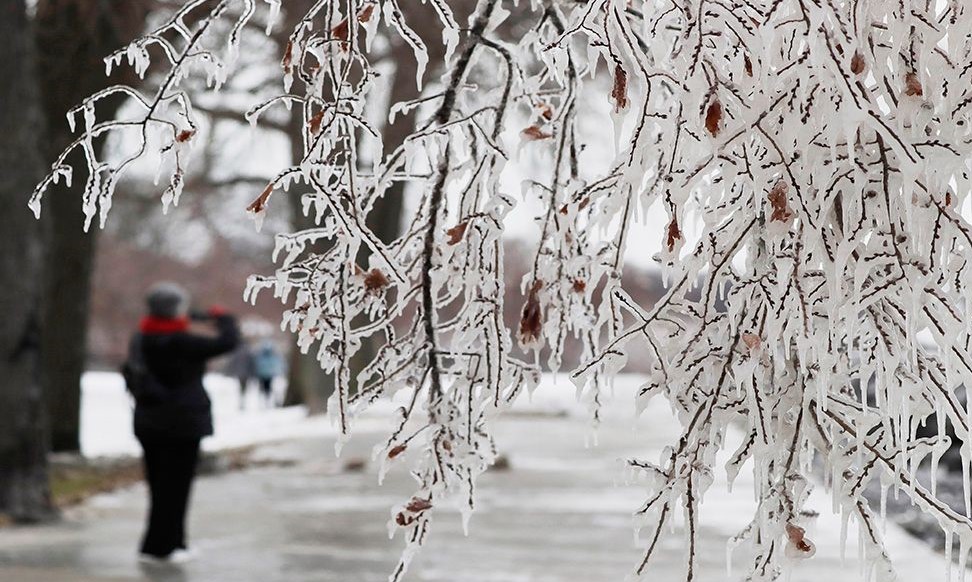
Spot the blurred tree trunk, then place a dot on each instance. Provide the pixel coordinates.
(307, 383)
(72, 37)
(24, 489)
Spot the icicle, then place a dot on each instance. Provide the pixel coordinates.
(962, 558)
(884, 505)
(948, 554)
(273, 16)
(844, 518)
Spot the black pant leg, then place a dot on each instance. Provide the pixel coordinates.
(266, 388)
(157, 460)
(184, 471)
(169, 467)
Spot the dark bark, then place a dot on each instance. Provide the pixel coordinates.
(72, 37)
(307, 383)
(24, 490)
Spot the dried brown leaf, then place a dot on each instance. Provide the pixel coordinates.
(674, 234)
(341, 30)
(457, 232)
(375, 281)
(185, 135)
(913, 86)
(396, 450)
(752, 341)
(619, 93)
(534, 133)
(418, 505)
(366, 12)
(779, 203)
(713, 117)
(315, 122)
(797, 537)
(857, 63)
(260, 203)
(288, 58)
(546, 111)
(531, 318)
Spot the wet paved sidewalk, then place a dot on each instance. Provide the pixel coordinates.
(560, 513)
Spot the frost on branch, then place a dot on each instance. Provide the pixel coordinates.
(812, 161)
(200, 39)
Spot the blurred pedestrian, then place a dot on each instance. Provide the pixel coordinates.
(240, 366)
(267, 365)
(172, 410)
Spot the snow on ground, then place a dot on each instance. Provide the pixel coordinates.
(556, 472)
(106, 414)
(106, 417)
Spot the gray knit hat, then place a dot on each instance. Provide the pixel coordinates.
(167, 300)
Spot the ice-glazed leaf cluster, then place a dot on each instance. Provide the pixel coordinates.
(813, 161)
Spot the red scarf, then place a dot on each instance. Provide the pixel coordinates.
(159, 325)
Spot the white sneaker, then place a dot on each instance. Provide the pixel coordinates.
(153, 560)
(180, 556)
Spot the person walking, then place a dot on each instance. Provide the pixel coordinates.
(173, 413)
(240, 366)
(267, 365)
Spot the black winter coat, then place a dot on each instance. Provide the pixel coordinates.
(178, 361)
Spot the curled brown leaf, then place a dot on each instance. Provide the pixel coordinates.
(546, 111)
(619, 93)
(674, 234)
(798, 541)
(531, 318)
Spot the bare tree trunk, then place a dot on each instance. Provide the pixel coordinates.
(308, 384)
(73, 36)
(24, 489)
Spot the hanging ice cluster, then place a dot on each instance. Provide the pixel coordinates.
(821, 150)
(201, 38)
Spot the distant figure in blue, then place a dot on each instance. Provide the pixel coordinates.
(267, 365)
(240, 366)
